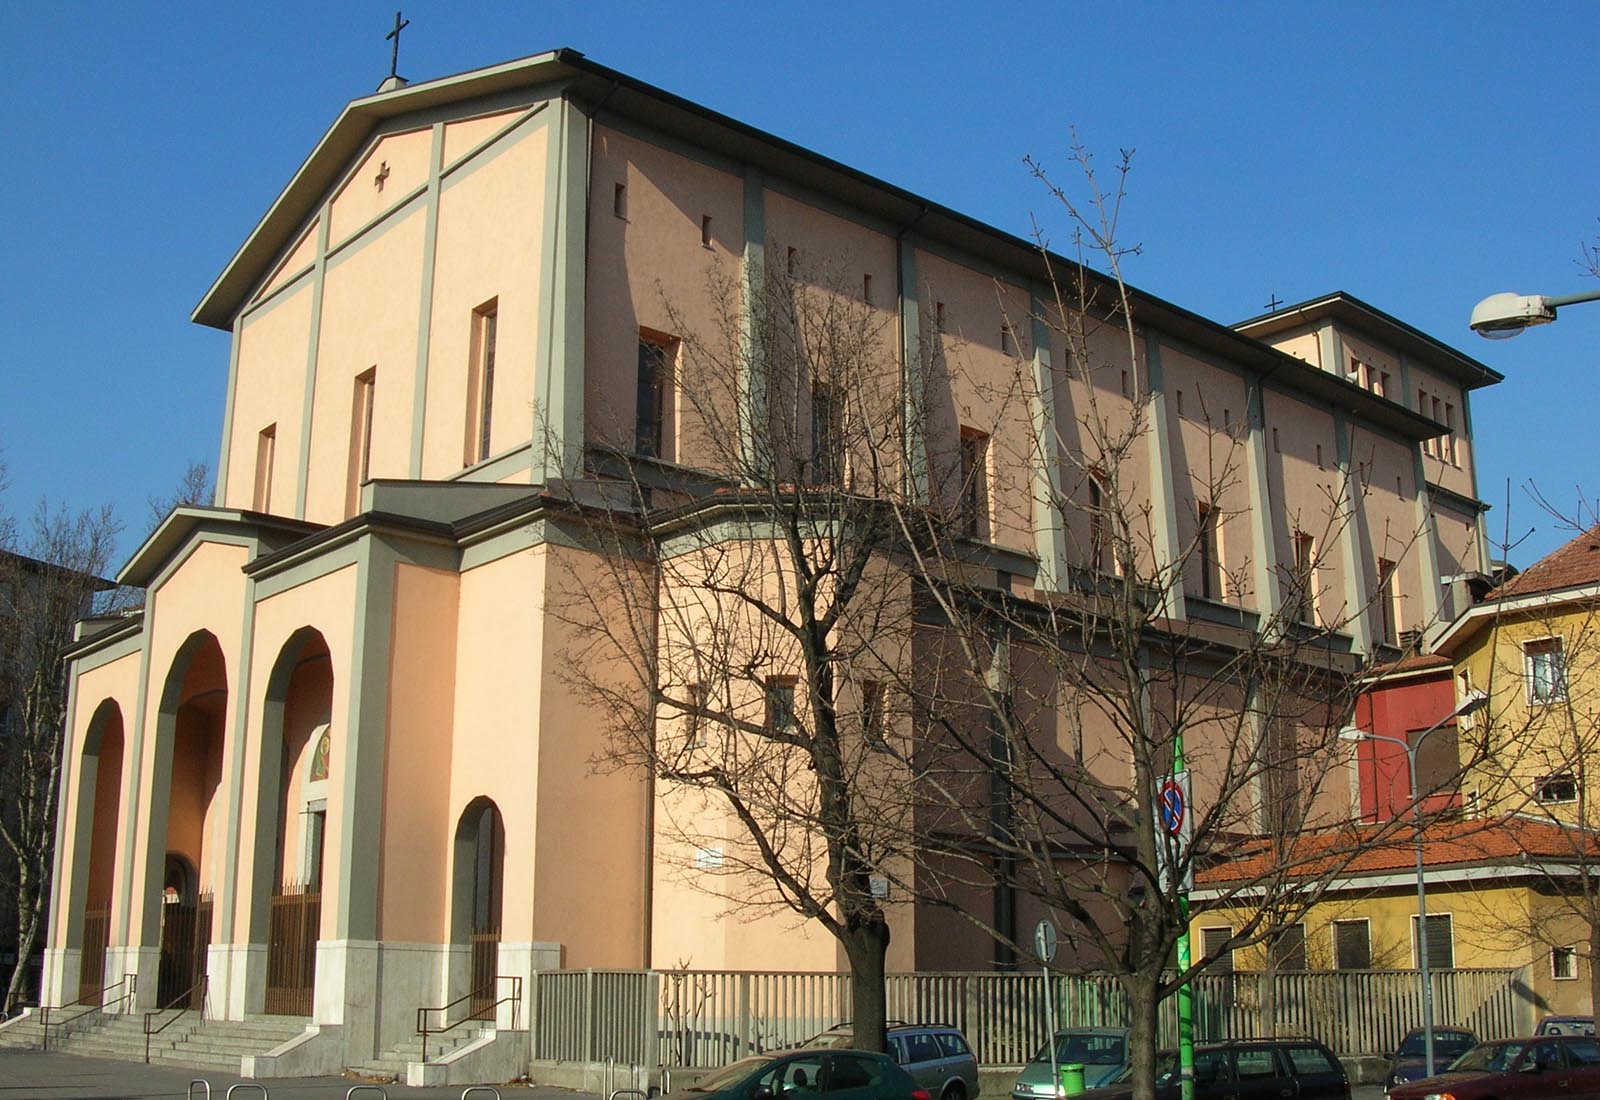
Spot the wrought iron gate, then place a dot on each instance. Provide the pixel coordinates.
(185, 938)
(96, 938)
(485, 964)
(296, 916)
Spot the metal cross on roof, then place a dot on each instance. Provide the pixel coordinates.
(394, 35)
(1273, 304)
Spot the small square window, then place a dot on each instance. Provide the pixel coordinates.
(1352, 945)
(1563, 964)
(1560, 787)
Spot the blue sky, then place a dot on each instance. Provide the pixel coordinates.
(1419, 156)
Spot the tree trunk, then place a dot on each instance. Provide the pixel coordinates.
(867, 947)
(29, 909)
(1144, 1037)
(1594, 968)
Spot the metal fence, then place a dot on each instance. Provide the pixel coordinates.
(709, 1017)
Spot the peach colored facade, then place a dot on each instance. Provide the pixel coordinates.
(436, 326)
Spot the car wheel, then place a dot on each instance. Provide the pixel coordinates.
(954, 1091)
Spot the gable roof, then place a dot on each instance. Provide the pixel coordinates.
(1569, 566)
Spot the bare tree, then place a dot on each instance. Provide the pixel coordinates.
(50, 572)
(738, 599)
(194, 487)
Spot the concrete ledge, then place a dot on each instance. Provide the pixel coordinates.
(494, 1057)
(316, 1052)
(591, 1076)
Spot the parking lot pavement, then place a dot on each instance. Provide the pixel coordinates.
(31, 1075)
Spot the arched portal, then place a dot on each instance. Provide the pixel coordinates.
(297, 750)
(479, 864)
(185, 817)
(100, 779)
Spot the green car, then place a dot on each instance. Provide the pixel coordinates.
(807, 1075)
(1101, 1051)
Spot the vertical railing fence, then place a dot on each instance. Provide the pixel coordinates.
(711, 1017)
(294, 921)
(96, 939)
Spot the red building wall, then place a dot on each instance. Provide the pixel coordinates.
(1403, 703)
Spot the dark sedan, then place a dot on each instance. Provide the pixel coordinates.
(807, 1075)
(1410, 1059)
(1564, 1066)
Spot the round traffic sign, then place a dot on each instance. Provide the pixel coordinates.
(1172, 807)
(1044, 939)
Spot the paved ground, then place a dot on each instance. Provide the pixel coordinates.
(30, 1075)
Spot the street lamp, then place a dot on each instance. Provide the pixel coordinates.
(1475, 700)
(1502, 316)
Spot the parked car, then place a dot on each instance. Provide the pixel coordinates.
(1102, 1051)
(1565, 1025)
(1409, 1062)
(1247, 1068)
(937, 1056)
(807, 1075)
(1535, 1067)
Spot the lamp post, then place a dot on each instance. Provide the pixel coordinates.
(1474, 701)
(1502, 316)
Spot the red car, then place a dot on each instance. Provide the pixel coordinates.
(1565, 1066)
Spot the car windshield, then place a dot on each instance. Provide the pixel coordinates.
(1446, 1044)
(1085, 1049)
(729, 1074)
(830, 1040)
(1489, 1057)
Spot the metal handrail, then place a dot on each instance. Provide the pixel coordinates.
(487, 1012)
(189, 1095)
(202, 985)
(379, 1089)
(129, 980)
(246, 1085)
(470, 1089)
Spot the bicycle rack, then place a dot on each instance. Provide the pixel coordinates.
(189, 1093)
(379, 1089)
(640, 1094)
(470, 1089)
(245, 1085)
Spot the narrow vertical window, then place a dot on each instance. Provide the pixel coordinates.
(1545, 670)
(361, 408)
(938, 316)
(792, 260)
(1275, 447)
(705, 231)
(1180, 402)
(650, 436)
(266, 451)
(1097, 523)
(1382, 389)
(1207, 543)
(694, 720)
(1127, 391)
(619, 201)
(1450, 451)
(1304, 595)
(866, 289)
(974, 483)
(780, 717)
(1388, 607)
(874, 716)
(1439, 940)
(1007, 344)
(480, 382)
(1319, 456)
(827, 445)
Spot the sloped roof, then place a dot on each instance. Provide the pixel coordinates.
(1355, 850)
(1576, 563)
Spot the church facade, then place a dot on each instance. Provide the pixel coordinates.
(333, 768)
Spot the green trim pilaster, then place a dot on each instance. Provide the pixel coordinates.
(361, 771)
(1485, 559)
(1263, 513)
(302, 472)
(1427, 543)
(1049, 533)
(558, 413)
(1164, 541)
(754, 448)
(66, 819)
(219, 489)
(238, 742)
(914, 377)
(1353, 534)
(134, 782)
(430, 244)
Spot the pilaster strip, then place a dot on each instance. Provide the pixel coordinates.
(1164, 514)
(1263, 513)
(1427, 532)
(70, 754)
(1353, 534)
(238, 743)
(302, 473)
(219, 492)
(1050, 539)
(430, 242)
(134, 783)
(560, 375)
(914, 379)
(753, 436)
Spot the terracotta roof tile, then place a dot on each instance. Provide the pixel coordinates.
(1578, 562)
(1364, 849)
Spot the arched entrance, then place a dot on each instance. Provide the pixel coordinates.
(194, 707)
(297, 752)
(101, 778)
(479, 863)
